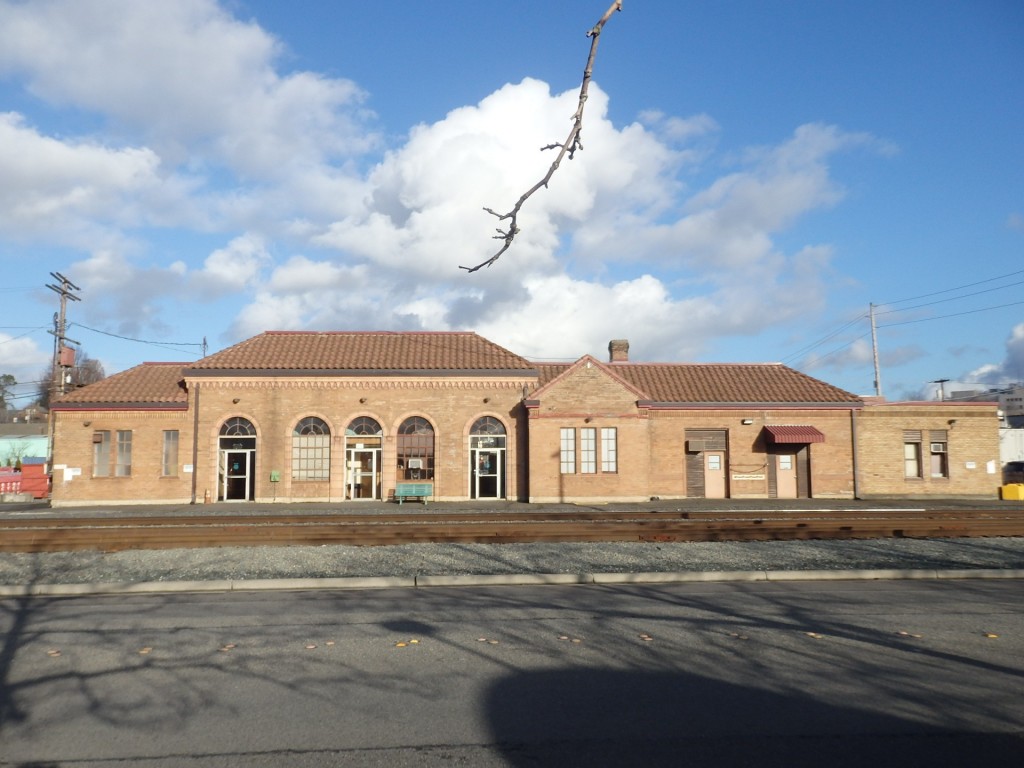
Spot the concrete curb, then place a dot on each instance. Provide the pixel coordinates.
(491, 580)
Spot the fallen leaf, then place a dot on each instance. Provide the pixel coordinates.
(329, 643)
(310, 647)
(54, 652)
(400, 644)
(414, 642)
(144, 651)
(991, 634)
(493, 642)
(815, 635)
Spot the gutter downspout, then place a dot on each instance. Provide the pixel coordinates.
(195, 443)
(856, 463)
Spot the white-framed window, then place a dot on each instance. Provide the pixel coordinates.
(938, 449)
(568, 451)
(592, 443)
(169, 456)
(609, 449)
(311, 450)
(101, 453)
(123, 466)
(588, 451)
(912, 454)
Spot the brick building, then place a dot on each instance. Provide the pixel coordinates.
(309, 416)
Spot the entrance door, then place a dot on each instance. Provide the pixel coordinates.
(785, 476)
(487, 467)
(714, 474)
(237, 475)
(363, 466)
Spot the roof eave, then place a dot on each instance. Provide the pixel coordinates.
(283, 373)
(684, 406)
(119, 406)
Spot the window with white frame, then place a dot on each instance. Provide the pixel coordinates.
(588, 451)
(609, 449)
(101, 453)
(912, 454)
(938, 444)
(311, 450)
(169, 457)
(592, 443)
(123, 466)
(568, 451)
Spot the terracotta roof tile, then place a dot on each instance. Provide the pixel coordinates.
(363, 351)
(717, 383)
(728, 383)
(156, 384)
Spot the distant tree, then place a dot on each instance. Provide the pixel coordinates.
(87, 370)
(6, 383)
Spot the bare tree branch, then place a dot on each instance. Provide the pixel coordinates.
(573, 142)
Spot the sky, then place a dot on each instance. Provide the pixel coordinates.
(757, 178)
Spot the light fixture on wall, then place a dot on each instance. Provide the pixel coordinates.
(362, 399)
(487, 399)
(236, 400)
(747, 422)
(86, 423)
(951, 422)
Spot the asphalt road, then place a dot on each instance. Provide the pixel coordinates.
(722, 674)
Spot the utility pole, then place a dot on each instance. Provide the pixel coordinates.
(63, 355)
(874, 350)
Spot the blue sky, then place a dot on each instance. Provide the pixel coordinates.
(754, 176)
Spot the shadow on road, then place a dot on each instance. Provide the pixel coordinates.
(622, 718)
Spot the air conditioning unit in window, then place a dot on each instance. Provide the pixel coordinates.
(938, 447)
(415, 463)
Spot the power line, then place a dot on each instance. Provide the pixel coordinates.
(958, 288)
(954, 314)
(166, 344)
(952, 298)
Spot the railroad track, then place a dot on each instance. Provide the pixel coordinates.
(175, 532)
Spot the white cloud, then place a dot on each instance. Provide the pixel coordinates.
(183, 74)
(1010, 370)
(205, 136)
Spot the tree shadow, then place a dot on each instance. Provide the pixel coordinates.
(623, 718)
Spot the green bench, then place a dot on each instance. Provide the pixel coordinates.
(405, 491)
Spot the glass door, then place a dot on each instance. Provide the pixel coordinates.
(363, 465)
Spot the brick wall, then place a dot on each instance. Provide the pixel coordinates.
(972, 430)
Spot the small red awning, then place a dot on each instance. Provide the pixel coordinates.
(783, 433)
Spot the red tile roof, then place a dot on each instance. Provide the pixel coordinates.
(370, 351)
(712, 384)
(148, 384)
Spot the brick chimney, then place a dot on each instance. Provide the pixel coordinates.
(618, 350)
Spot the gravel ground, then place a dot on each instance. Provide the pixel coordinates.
(243, 563)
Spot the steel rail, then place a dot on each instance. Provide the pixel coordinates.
(138, 532)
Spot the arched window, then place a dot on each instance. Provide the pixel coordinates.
(237, 427)
(311, 450)
(487, 432)
(415, 449)
(363, 426)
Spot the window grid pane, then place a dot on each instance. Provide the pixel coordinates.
(568, 451)
(124, 453)
(170, 453)
(101, 454)
(912, 460)
(588, 450)
(609, 450)
(311, 457)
